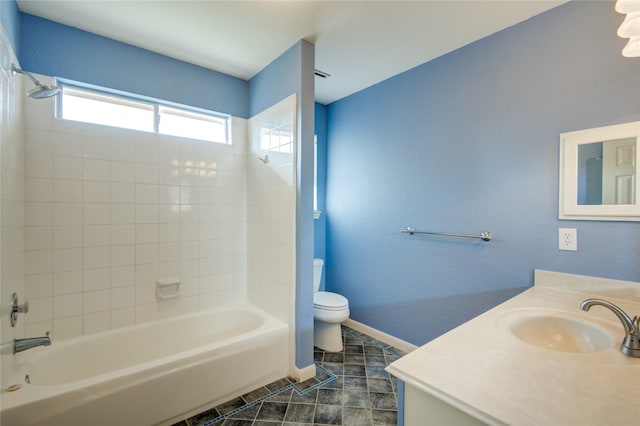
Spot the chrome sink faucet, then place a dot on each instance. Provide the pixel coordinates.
(20, 345)
(631, 342)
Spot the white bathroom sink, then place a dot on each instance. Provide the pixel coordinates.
(560, 332)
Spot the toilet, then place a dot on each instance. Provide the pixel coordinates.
(329, 310)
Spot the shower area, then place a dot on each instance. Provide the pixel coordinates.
(93, 217)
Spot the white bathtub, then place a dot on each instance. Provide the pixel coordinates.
(155, 373)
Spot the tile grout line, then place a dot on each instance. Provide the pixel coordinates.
(276, 392)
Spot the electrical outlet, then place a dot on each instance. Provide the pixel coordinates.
(568, 239)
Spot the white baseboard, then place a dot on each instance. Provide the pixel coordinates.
(380, 335)
(306, 373)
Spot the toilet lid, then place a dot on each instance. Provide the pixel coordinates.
(329, 301)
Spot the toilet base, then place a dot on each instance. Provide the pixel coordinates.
(327, 336)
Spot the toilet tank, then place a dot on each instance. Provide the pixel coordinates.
(317, 273)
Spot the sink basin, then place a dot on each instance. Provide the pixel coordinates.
(561, 333)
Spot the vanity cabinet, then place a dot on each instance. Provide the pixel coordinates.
(422, 409)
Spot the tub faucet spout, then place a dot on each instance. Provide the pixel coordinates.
(20, 345)
(631, 342)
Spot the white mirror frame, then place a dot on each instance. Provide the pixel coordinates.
(569, 142)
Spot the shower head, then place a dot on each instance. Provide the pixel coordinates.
(41, 91)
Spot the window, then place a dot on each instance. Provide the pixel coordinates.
(131, 112)
(187, 124)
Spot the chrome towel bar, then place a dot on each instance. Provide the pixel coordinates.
(485, 236)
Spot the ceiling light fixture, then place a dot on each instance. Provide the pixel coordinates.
(630, 27)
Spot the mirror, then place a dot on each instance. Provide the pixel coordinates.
(599, 173)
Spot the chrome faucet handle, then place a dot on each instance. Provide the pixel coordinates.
(631, 343)
(17, 308)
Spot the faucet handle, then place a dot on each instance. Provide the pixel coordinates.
(17, 308)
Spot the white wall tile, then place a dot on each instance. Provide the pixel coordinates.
(96, 192)
(147, 173)
(146, 273)
(122, 297)
(67, 328)
(65, 260)
(169, 175)
(67, 191)
(122, 172)
(168, 232)
(67, 167)
(123, 317)
(96, 257)
(189, 304)
(146, 253)
(38, 165)
(96, 301)
(122, 234)
(38, 286)
(96, 279)
(168, 152)
(147, 213)
(123, 255)
(122, 150)
(189, 231)
(169, 213)
(67, 236)
(122, 214)
(38, 261)
(96, 169)
(67, 214)
(96, 214)
(96, 322)
(168, 251)
(190, 249)
(38, 189)
(168, 269)
(38, 214)
(146, 233)
(167, 194)
(38, 141)
(168, 308)
(38, 238)
(96, 148)
(146, 150)
(123, 276)
(67, 282)
(40, 309)
(67, 305)
(67, 144)
(146, 313)
(96, 235)
(189, 286)
(146, 194)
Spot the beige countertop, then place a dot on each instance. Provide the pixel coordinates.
(483, 370)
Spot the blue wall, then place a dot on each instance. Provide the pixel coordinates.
(466, 143)
(10, 21)
(320, 224)
(292, 72)
(58, 50)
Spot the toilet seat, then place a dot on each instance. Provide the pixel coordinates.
(328, 301)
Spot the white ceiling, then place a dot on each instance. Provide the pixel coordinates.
(359, 43)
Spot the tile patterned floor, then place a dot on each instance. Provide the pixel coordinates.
(351, 388)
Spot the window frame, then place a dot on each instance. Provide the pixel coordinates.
(114, 96)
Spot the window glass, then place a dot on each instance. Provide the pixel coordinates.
(97, 108)
(193, 125)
